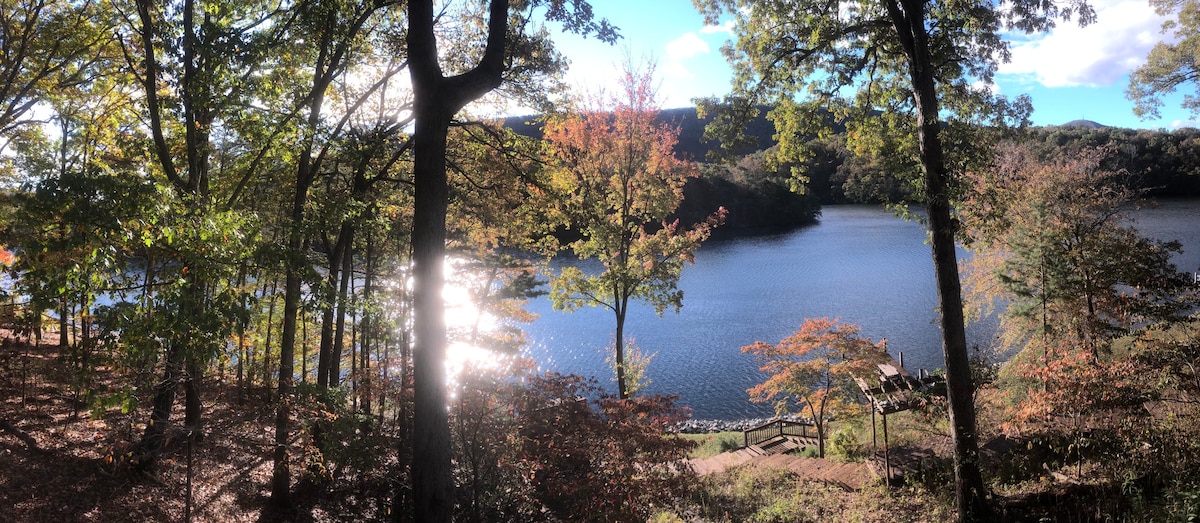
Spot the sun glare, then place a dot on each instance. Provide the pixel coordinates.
(467, 325)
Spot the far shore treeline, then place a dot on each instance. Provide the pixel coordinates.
(760, 196)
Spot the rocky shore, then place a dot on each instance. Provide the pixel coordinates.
(706, 426)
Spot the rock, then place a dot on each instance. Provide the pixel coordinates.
(708, 426)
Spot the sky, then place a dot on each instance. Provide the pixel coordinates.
(1070, 73)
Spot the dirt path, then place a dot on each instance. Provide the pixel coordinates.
(848, 476)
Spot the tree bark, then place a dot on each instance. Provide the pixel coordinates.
(281, 473)
(339, 335)
(150, 446)
(364, 368)
(970, 491)
(433, 486)
(619, 352)
(436, 99)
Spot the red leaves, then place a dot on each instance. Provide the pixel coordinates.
(567, 450)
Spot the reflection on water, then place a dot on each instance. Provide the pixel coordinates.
(860, 264)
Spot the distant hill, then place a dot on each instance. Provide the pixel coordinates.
(1086, 124)
(691, 131)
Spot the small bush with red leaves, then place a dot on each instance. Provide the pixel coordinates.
(581, 454)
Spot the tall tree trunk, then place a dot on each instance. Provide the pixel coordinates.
(326, 356)
(335, 363)
(175, 368)
(281, 473)
(266, 373)
(970, 491)
(619, 352)
(303, 347)
(241, 346)
(148, 449)
(64, 323)
(433, 484)
(436, 99)
(193, 409)
(368, 333)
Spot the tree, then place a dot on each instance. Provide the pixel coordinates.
(1170, 64)
(900, 66)
(1090, 303)
(814, 370)
(1052, 240)
(1080, 387)
(47, 45)
(337, 28)
(615, 179)
(437, 97)
(193, 63)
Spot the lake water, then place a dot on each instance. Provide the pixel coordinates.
(861, 264)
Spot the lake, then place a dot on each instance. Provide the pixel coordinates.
(860, 264)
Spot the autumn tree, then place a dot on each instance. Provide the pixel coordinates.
(813, 370)
(1172, 63)
(891, 70)
(615, 180)
(1084, 392)
(595, 456)
(1052, 240)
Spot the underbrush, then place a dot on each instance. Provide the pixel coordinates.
(764, 495)
(713, 443)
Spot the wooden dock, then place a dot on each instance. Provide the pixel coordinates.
(894, 389)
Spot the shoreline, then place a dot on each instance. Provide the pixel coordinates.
(709, 426)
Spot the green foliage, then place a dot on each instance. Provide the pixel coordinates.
(851, 71)
(1183, 504)
(1052, 241)
(633, 367)
(1171, 64)
(844, 444)
(773, 494)
(754, 195)
(338, 441)
(708, 445)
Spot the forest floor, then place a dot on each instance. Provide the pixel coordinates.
(58, 463)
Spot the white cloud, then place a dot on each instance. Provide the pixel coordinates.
(726, 27)
(1094, 56)
(1182, 124)
(674, 69)
(686, 46)
(992, 88)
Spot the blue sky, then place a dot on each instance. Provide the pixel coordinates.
(1070, 73)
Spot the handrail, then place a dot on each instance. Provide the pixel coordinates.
(773, 429)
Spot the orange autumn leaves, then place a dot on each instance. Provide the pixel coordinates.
(812, 370)
(614, 182)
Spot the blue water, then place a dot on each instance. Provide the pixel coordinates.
(861, 264)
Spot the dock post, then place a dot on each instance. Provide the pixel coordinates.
(887, 462)
(874, 442)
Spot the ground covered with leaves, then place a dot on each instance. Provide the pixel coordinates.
(63, 463)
